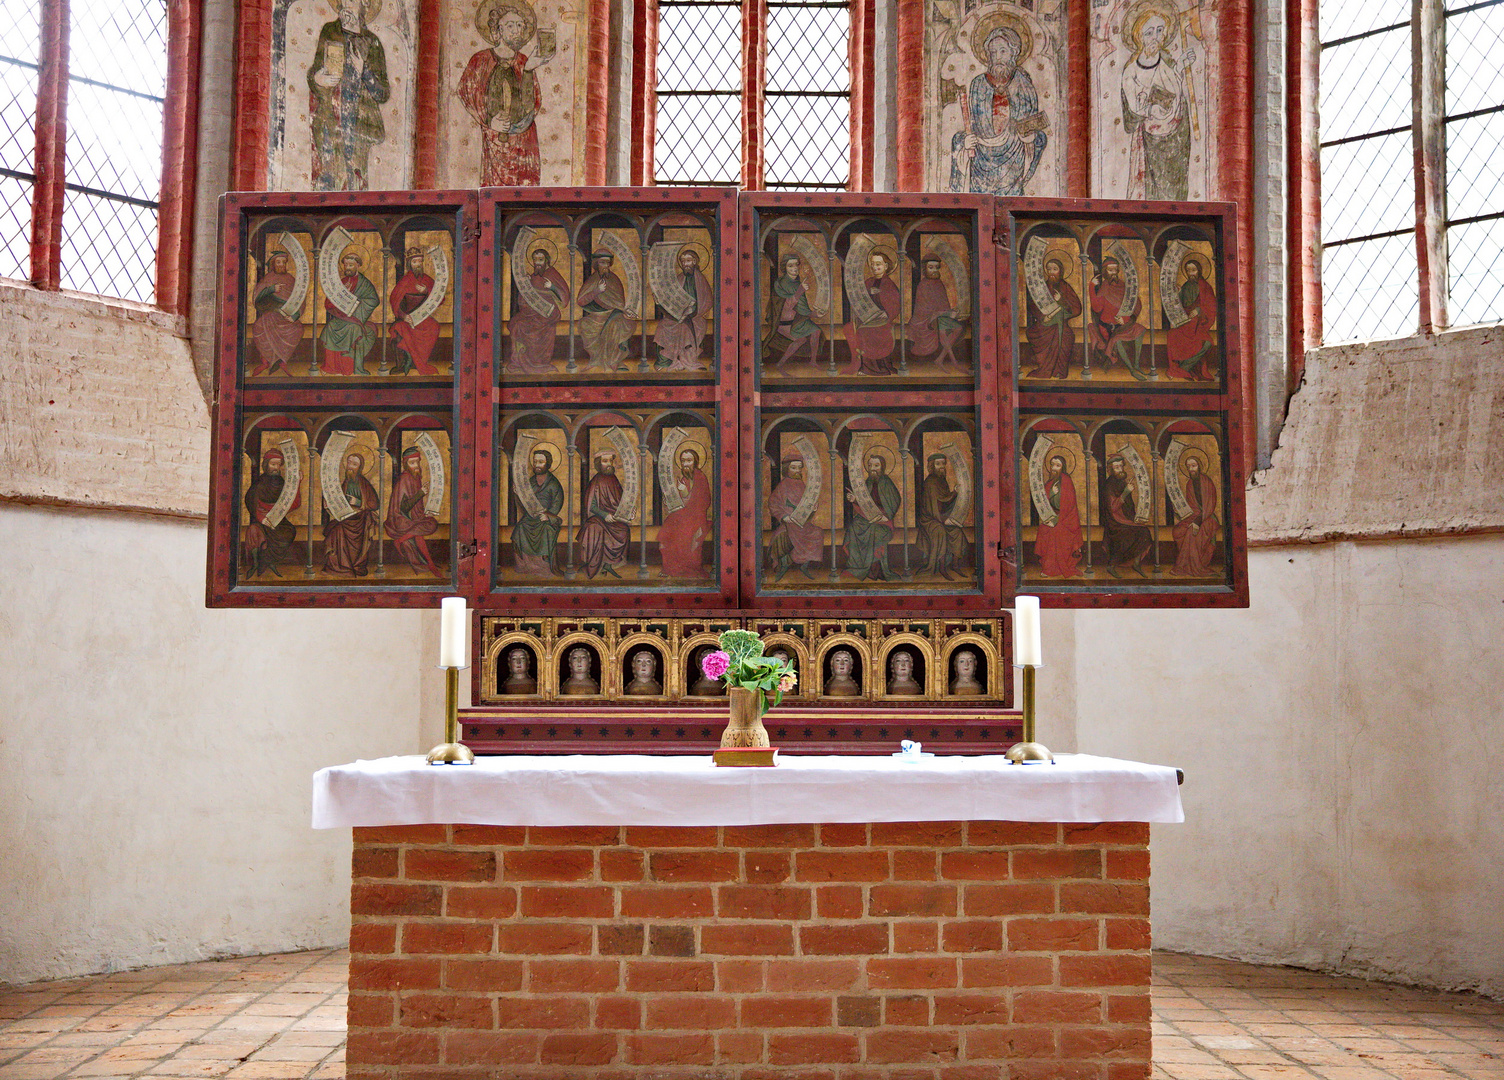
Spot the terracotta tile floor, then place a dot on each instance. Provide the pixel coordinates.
(283, 1017)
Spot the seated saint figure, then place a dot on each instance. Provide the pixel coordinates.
(579, 681)
(519, 680)
(964, 683)
(901, 681)
(704, 685)
(644, 674)
(840, 683)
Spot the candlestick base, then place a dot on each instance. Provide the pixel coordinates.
(451, 753)
(1030, 753)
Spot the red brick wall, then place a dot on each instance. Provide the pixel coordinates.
(926, 951)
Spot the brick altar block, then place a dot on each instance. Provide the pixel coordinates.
(981, 950)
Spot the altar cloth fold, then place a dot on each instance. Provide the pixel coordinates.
(636, 789)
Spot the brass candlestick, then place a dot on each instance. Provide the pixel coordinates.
(451, 751)
(1029, 752)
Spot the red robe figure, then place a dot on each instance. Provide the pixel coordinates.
(1196, 533)
(872, 345)
(1117, 337)
(274, 334)
(1192, 346)
(1052, 339)
(933, 326)
(683, 532)
(407, 516)
(678, 340)
(500, 92)
(791, 544)
(348, 543)
(1058, 543)
(533, 332)
(602, 538)
(414, 342)
(267, 546)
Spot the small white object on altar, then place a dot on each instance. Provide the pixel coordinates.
(636, 789)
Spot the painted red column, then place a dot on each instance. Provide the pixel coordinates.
(426, 96)
(644, 85)
(253, 76)
(597, 91)
(909, 95)
(1078, 102)
(862, 66)
(1235, 177)
(179, 157)
(754, 78)
(1303, 168)
(51, 146)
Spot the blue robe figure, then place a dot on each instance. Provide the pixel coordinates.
(1004, 126)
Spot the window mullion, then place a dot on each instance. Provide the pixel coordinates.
(51, 146)
(754, 79)
(1428, 108)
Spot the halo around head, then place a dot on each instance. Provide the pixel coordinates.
(889, 256)
(991, 23)
(1139, 13)
(1200, 260)
(1072, 461)
(522, 7)
(368, 10)
(699, 452)
(1194, 452)
(545, 246)
(353, 252)
(701, 252)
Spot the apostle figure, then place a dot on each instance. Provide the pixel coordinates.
(348, 338)
(841, 683)
(678, 340)
(1004, 138)
(901, 682)
(267, 546)
(347, 543)
(532, 331)
(1127, 542)
(790, 325)
(1196, 533)
(644, 674)
(1157, 108)
(867, 538)
(683, 532)
(501, 93)
(580, 681)
(872, 343)
(602, 538)
(1052, 340)
(933, 326)
(347, 85)
(413, 342)
(273, 333)
(519, 679)
(792, 543)
(407, 516)
(535, 540)
(1115, 334)
(606, 325)
(1057, 540)
(964, 682)
(942, 540)
(1192, 345)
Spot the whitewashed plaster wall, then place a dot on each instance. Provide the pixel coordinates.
(155, 756)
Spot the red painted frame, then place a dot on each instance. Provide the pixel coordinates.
(231, 395)
(1231, 404)
(489, 396)
(992, 396)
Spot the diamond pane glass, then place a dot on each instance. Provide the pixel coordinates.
(15, 228)
(109, 247)
(18, 110)
(1367, 187)
(1370, 290)
(807, 48)
(114, 141)
(698, 140)
(1475, 64)
(1343, 18)
(699, 48)
(21, 31)
(119, 42)
(1475, 167)
(809, 141)
(1475, 262)
(1365, 85)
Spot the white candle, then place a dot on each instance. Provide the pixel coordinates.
(454, 626)
(1028, 647)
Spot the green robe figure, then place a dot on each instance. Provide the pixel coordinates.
(347, 85)
(348, 338)
(535, 540)
(867, 539)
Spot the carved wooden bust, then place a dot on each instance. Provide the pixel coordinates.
(519, 678)
(964, 682)
(901, 682)
(579, 681)
(645, 674)
(841, 683)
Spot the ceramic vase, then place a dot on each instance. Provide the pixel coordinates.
(745, 728)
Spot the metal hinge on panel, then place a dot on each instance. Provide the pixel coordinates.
(1000, 238)
(1005, 552)
(468, 551)
(470, 234)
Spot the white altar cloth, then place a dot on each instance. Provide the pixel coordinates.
(633, 789)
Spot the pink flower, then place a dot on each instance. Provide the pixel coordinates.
(714, 664)
(787, 683)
